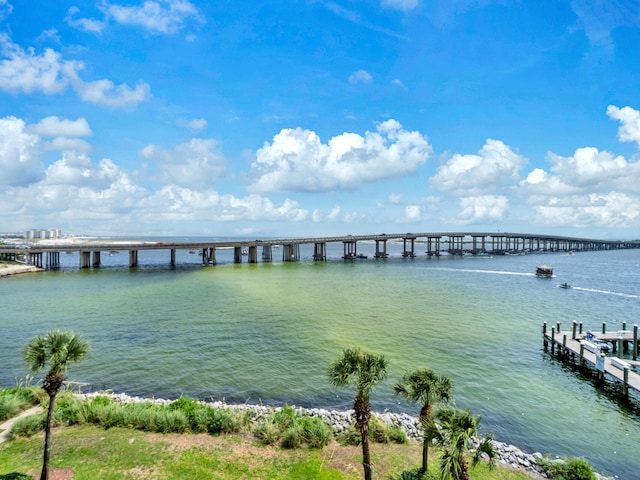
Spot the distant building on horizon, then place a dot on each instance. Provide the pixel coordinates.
(49, 234)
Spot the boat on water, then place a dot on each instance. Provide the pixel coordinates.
(544, 271)
(564, 285)
(361, 255)
(602, 346)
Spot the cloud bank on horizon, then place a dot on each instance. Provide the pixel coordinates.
(179, 117)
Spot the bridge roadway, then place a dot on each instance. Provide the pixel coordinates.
(47, 254)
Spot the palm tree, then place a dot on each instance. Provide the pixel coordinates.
(423, 385)
(58, 350)
(365, 370)
(454, 432)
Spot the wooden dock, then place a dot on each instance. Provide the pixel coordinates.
(574, 346)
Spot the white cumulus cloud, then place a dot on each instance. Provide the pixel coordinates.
(297, 160)
(161, 17)
(19, 161)
(104, 92)
(86, 24)
(629, 131)
(24, 71)
(494, 164)
(79, 171)
(482, 208)
(195, 164)
(412, 213)
(590, 168)
(611, 210)
(27, 72)
(5, 9)
(360, 76)
(55, 127)
(195, 124)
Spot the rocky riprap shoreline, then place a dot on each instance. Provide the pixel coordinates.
(508, 455)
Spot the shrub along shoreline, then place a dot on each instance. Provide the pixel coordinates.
(341, 423)
(288, 426)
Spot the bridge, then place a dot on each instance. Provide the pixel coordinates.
(47, 255)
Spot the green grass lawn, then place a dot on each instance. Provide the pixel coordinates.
(93, 453)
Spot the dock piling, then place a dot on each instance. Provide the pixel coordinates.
(604, 327)
(573, 330)
(635, 342)
(587, 353)
(625, 381)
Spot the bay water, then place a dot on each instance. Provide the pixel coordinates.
(266, 333)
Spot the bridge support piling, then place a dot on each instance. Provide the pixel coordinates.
(173, 257)
(209, 256)
(475, 249)
(435, 250)
(237, 254)
(381, 253)
(85, 259)
(320, 251)
(267, 255)
(253, 254)
(349, 249)
(53, 259)
(36, 259)
(96, 259)
(291, 252)
(133, 258)
(409, 253)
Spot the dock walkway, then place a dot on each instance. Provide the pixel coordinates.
(572, 345)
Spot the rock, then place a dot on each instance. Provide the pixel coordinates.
(341, 420)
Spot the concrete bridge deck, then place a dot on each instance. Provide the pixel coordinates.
(453, 243)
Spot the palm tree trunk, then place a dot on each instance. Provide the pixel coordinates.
(366, 455)
(47, 439)
(464, 470)
(426, 414)
(425, 454)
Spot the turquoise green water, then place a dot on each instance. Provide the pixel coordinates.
(267, 333)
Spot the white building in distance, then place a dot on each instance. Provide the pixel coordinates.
(51, 233)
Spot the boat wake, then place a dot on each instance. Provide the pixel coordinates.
(606, 292)
(496, 272)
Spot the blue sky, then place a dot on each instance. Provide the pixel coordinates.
(312, 117)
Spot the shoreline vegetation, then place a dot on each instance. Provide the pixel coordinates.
(510, 458)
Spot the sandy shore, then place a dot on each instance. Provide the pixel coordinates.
(13, 269)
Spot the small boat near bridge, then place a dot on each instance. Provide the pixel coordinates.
(544, 271)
